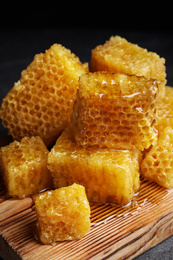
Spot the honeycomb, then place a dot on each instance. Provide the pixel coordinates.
(164, 108)
(62, 214)
(115, 111)
(120, 56)
(41, 102)
(24, 167)
(158, 162)
(108, 175)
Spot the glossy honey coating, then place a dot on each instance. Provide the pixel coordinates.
(164, 109)
(41, 102)
(109, 176)
(115, 111)
(62, 214)
(158, 162)
(120, 56)
(24, 167)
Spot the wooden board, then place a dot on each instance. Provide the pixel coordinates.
(116, 232)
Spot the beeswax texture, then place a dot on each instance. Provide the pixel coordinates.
(62, 214)
(115, 111)
(41, 102)
(24, 167)
(164, 110)
(120, 56)
(158, 162)
(109, 176)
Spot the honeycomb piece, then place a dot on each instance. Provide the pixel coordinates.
(164, 108)
(158, 162)
(62, 214)
(109, 176)
(120, 56)
(24, 167)
(41, 102)
(115, 111)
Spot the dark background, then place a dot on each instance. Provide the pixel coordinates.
(31, 29)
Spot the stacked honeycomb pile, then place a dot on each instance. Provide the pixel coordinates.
(117, 122)
(119, 56)
(114, 119)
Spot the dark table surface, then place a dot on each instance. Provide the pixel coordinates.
(18, 45)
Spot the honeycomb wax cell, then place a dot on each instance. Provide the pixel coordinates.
(120, 56)
(158, 162)
(164, 109)
(115, 111)
(24, 167)
(109, 176)
(62, 214)
(41, 102)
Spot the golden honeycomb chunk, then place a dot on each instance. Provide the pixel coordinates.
(109, 176)
(164, 108)
(120, 56)
(158, 162)
(24, 167)
(62, 214)
(41, 102)
(115, 111)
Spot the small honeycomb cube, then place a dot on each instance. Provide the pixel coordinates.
(24, 167)
(120, 56)
(41, 102)
(158, 162)
(62, 214)
(108, 175)
(115, 111)
(164, 108)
